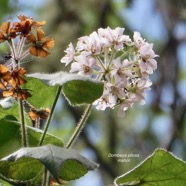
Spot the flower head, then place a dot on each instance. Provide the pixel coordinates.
(17, 77)
(22, 41)
(6, 33)
(11, 81)
(123, 64)
(23, 28)
(35, 24)
(40, 45)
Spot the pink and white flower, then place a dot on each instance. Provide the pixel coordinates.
(125, 104)
(122, 64)
(103, 102)
(121, 69)
(83, 65)
(139, 89)
(113, 37)
(138, 40)
(147, 62)
(91, 44)
(116, 90)
(70, 53)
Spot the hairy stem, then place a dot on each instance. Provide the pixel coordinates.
(51, 115)
(45, 178)
(20, 47)
(14, 52)
(23, 127)
(79, 126)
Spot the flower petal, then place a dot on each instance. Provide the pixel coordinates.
(2, 86)
(42, 53)
(33, 115)
(31, 38)
(5, 27)
(2, 37)
(7, 93)
(40, 34)
(49, 43)
(33, 51)
(21, 72)
(38, 24)
(3, 68)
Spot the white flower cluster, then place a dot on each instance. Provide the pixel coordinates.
(121, 63)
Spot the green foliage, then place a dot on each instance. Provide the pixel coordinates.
(77, 89)
(13, 111)
(4, 6)
(27, 163)
(42, 95)
(160, 169)
(10, 136)
(82, 92)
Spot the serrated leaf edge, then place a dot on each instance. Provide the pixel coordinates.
(55, 176)
(156, 150)
(60, 78)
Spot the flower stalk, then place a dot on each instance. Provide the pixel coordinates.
(51, 115)
(45, 178)
(23, 127)
(79, 126)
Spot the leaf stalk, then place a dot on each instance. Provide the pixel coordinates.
(51, 115)
(79, 126)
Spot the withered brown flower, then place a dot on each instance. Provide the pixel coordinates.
(17, 93)
(35, 24)
(6, 33)
(37, 114)
(41, 44)
(17, 77)
(23, 28)
(4, 76)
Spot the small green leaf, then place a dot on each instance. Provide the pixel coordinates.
(13, 111)
(27, 163)
(71, 168)
(10, 136)
(160, 169)
(82, 92)
(42, 95)
(77, 89)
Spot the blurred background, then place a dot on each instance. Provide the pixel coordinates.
(158, 123)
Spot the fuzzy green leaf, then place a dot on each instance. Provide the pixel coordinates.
(82, 92)
(27, 163)
(77, 89)
(13, 111)
(10, 136)
(160, 169)
(43, 95)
